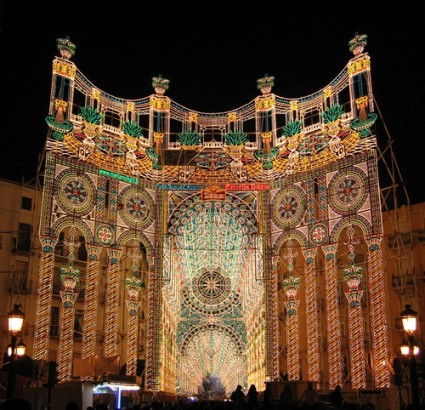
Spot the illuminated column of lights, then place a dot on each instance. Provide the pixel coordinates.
(44, 299)
(357, 351)
(169, 373)
(249, 350)
(70, 278)
(112, 302)
(291, 286)
(90, 303)
(152, 328)
(133, 286)
(332, 318)
(353, 275)
(252, 331)
(273, 322)
(256, 371)
(378, 318)
(312, 315)
(260, 359)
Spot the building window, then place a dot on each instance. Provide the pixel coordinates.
(59, 246)
(82, 250)
(26, 203)
(54, 322)
(24, 237)
(78, 324)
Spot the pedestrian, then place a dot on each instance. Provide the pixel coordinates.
(309, 396)
(268, 397)
(336, 397)
(238, 396)
(252, 396)
(16, 403)
(286, 400)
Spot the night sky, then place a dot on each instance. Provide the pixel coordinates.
(213, 52)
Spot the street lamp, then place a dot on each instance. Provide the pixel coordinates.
(15, 319)
(19, 349)
(409, 319)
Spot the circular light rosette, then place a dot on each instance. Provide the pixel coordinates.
(104, 234)
(211, 288)
(136, 207)
(76, 192)
(319, 234)
(289, 207)
(348, 191)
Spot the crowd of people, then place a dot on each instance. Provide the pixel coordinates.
(252, 400)
(309, 399)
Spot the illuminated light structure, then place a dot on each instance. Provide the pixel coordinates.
(70, 277)
(221, 206)
(312, 316)
(133, 285)
(90, 305)
(354, 275)
(291, 286)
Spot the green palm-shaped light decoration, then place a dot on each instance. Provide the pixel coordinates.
(235, 146)
(189, 138)
(357, 44)
(132, 132)
(292, 128)
(332, 113)
(66, 47)
(160, 84)
(265, 84)
(91, 115)
(132, 128)
(292, 131)
(235, 138)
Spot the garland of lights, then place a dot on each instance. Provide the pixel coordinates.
(44, 299)
(70, 278)
(291, 286)
(273, 330)
(332, 318)
(133, 285)
(88, 348)
(168, 363)
(112, 302)
(378, 316)
(312, 315)
(353, 275)
(270, 287)
(153, 329)
(66, 342)
(357, 348)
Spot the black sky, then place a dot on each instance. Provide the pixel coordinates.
(212, 52)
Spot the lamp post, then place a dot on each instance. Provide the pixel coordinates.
(15, 320)
(409, 319)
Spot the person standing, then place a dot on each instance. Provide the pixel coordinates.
(309, 396)
(15, 403)
(238, 396)
(268, 397)
(336, 397)
(286, 400)
(252, 397)
(72, 405)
